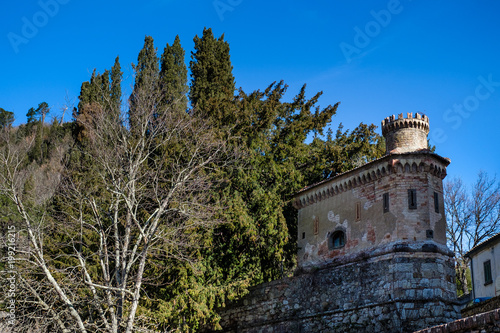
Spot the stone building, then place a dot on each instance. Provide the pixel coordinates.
(372, 249)
(395, 199)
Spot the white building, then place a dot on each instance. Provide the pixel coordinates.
(485, 268)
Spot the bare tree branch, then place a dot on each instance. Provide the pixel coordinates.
(472, 217)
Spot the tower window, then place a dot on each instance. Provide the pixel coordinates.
(336, 240)
(412, 199)
(436, 202)
(429, 234)
(303, 235)
(386, 202)
(316, 225)
(487, 272)
(358, 211)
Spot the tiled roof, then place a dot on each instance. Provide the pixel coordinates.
(482, 245)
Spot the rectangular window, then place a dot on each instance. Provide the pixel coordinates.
(436, 202)
(412, 199)
(303, 235)
(358, 211)
(386, 202)
(487, 272)
(316, 225)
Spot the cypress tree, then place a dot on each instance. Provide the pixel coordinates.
(146, 74)
(103, 89)
(87, 93)
(173, 77)
(116, 88)
(212, 81)
(98, 95)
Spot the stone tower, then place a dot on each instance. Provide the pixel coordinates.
(404, 135)
(372, 248)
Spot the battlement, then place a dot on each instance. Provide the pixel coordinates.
(405, 134)
(419, 121)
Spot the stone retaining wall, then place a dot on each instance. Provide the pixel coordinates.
(488, 305)
(390, 292)
(488, 322)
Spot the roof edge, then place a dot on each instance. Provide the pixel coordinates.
(446, 161)
(479, 247)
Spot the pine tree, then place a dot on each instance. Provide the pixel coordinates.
(30, 115)
(42, 110)
(212, 81)
(173, 77)
(6, 118)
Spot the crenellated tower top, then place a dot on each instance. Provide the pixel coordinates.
(404, 135)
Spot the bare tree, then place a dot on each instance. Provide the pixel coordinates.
(68, 104)
(472, 217)
(145, 191)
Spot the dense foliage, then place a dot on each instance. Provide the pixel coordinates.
(272, 147)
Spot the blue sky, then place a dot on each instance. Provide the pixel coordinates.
(377, 58)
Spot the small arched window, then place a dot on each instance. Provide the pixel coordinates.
(337, 240)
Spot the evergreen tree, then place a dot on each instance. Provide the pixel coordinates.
(101, 94)
(146, 76)
(116, 88)
(30, 115)
(42, 110)
(272, 135)
(345, 151)
(212, 81)
(173, 76)
(104, 90)
(88, 93)
(6, 118)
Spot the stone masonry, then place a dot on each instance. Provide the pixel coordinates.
(372, 249)
(399, 288)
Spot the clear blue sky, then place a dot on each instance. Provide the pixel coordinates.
(376, 57)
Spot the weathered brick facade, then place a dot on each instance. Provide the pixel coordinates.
(372, 249)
